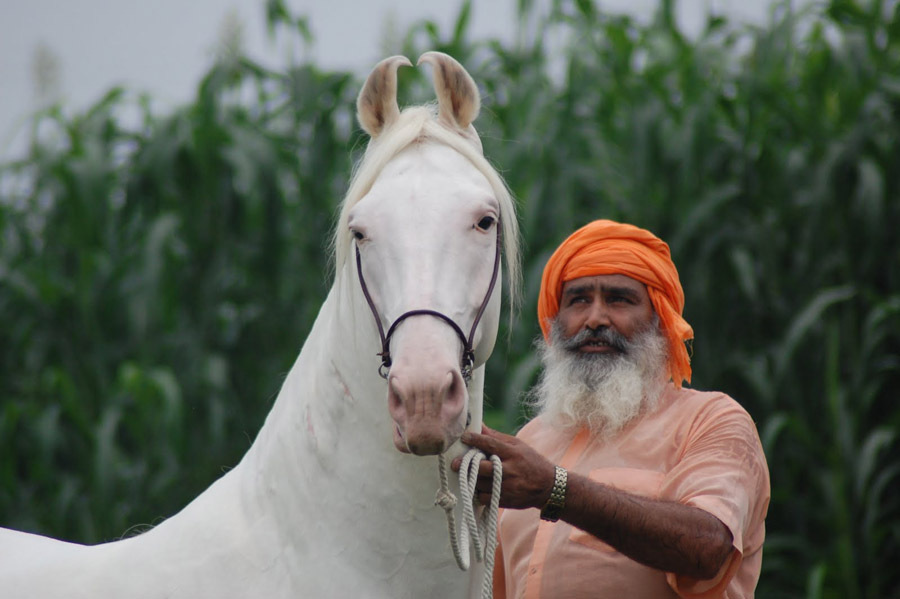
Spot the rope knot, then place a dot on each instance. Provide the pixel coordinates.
(445, 500)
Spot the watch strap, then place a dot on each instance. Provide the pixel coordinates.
(554, 506)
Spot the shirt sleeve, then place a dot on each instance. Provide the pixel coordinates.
(722, 470)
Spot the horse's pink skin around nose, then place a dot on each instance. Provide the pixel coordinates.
(427, 409)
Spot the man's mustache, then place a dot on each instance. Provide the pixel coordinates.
(604, 335)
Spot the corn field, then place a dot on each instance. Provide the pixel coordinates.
(158, 278)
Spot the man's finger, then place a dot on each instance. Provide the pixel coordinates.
(489, 432)
(482, 442)
(485, 467)
(485, 480)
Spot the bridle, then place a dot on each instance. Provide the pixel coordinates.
(467, 361)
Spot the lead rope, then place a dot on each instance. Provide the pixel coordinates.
(482, 532)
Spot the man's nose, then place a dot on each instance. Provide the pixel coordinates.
(597, 316)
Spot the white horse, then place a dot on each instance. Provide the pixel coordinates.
(332, 499)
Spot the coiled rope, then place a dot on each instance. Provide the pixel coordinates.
(481, 531)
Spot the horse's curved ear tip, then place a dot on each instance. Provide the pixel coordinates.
(431, 56)
(399, 59)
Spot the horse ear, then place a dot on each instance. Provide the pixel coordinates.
(457, 94)
(376, 106)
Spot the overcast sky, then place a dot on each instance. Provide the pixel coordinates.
(164, 46)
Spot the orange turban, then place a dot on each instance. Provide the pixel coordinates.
(604, 247)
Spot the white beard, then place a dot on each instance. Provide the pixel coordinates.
(603, 392)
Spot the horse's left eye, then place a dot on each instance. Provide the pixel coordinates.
(485, 223)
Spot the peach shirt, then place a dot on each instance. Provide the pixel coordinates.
(697, 448)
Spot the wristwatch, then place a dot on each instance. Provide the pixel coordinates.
(554, 506)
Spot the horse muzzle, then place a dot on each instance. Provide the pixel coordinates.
(428, 410)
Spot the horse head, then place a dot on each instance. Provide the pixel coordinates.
(424, 218)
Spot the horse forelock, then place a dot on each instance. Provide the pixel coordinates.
(418, 124)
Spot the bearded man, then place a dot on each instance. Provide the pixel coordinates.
(637, 486)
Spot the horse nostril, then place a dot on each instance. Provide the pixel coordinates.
(453, 398)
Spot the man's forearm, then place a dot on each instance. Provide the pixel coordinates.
(665, 535)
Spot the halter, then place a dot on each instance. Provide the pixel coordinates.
(467, 361)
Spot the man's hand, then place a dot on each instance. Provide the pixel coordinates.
(527, 476)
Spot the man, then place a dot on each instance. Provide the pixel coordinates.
(639, 488)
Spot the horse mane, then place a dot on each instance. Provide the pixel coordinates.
(417, 124)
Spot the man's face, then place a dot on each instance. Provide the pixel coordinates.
(605, 360)
(615, 301)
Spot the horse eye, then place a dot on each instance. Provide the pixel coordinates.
(359, 236)
(485, 223)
